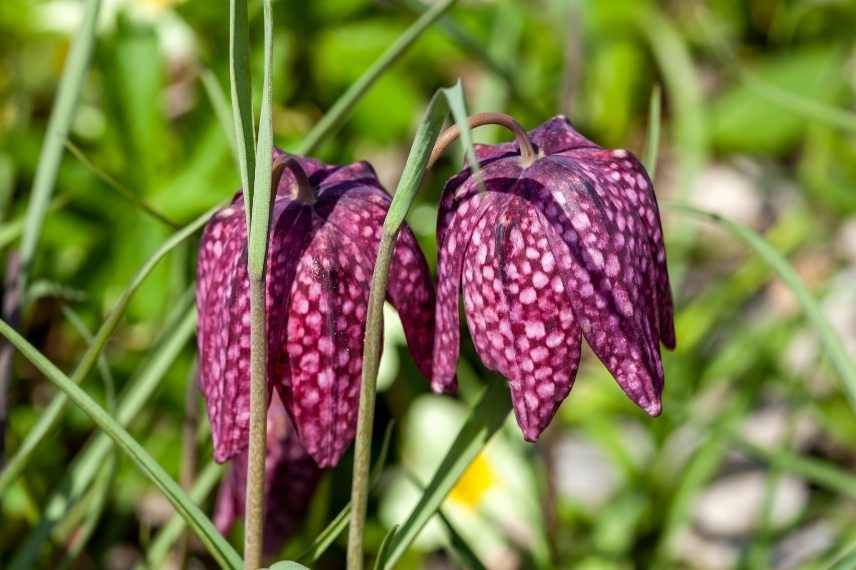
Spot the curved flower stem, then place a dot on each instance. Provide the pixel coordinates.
(265, 182)
(408, 185)
(527, 153)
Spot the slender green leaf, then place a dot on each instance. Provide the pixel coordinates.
(97, 497)
(458, 106)
(62, 115)
(334, 118)
(114, 184)
(288, 565)
(653, 143)
(828, 337)
(204, 528)
(49, 418)
(242, 97)
(817, 471)
(384, 546)
(459, 547)
(222, 109)
(486, 417)
(171, 532)
(12, 230)
(340, 522)
(88, 462)
(261, 205)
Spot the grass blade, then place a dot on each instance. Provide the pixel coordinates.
(384, 546)
(114, 184)
(653, 144)
(828, 337)
(242, 96)
(12, 230)
(81, 473)
(221, 108)
(486, 417)
(49, 418)
(334, 118)
(213, 540)
(340, 522)
(59, 124)
(173, 529)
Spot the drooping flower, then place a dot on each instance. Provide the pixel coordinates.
(291, 476)
(325, 230)
(563, 245)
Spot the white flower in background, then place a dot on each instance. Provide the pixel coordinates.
(730, 192)
(493, 505)
(176, 37)
(393, 338)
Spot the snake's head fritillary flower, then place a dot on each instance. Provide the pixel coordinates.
(325, 231)
(291, 476)
(549, 250)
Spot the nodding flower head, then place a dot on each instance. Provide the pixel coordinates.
(325, 230)
(551, 246)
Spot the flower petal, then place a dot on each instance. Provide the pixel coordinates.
(224, 322)
(359, 212)
(222, 299)
(460, 209)
(518, 313)
(326, 322)
(630, 182)
(603, 254)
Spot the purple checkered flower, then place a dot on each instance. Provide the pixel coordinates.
(325, 230)
(565, 245)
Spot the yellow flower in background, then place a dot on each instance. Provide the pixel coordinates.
(493, 505)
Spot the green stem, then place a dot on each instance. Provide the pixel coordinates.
(49, 418)
(254, 508)
(371, 362)
(265, 180)
(216, 544)
(334, 118)
(408, 185)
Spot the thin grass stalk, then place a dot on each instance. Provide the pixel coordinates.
(189, 454)
(411, 179)
(120, 189)
(62, 114)
(50, 417)
(242, 97)
(86, 465)
(213, 540)
(160, 546)
(334, 118)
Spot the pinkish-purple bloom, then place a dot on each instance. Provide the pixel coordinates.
(291, 476)
(568, 246)
(320, 262)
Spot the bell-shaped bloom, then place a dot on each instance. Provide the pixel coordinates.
(291, 476)
(323, 244)
(566, 247)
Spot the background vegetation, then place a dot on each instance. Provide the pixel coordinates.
(751, 464)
